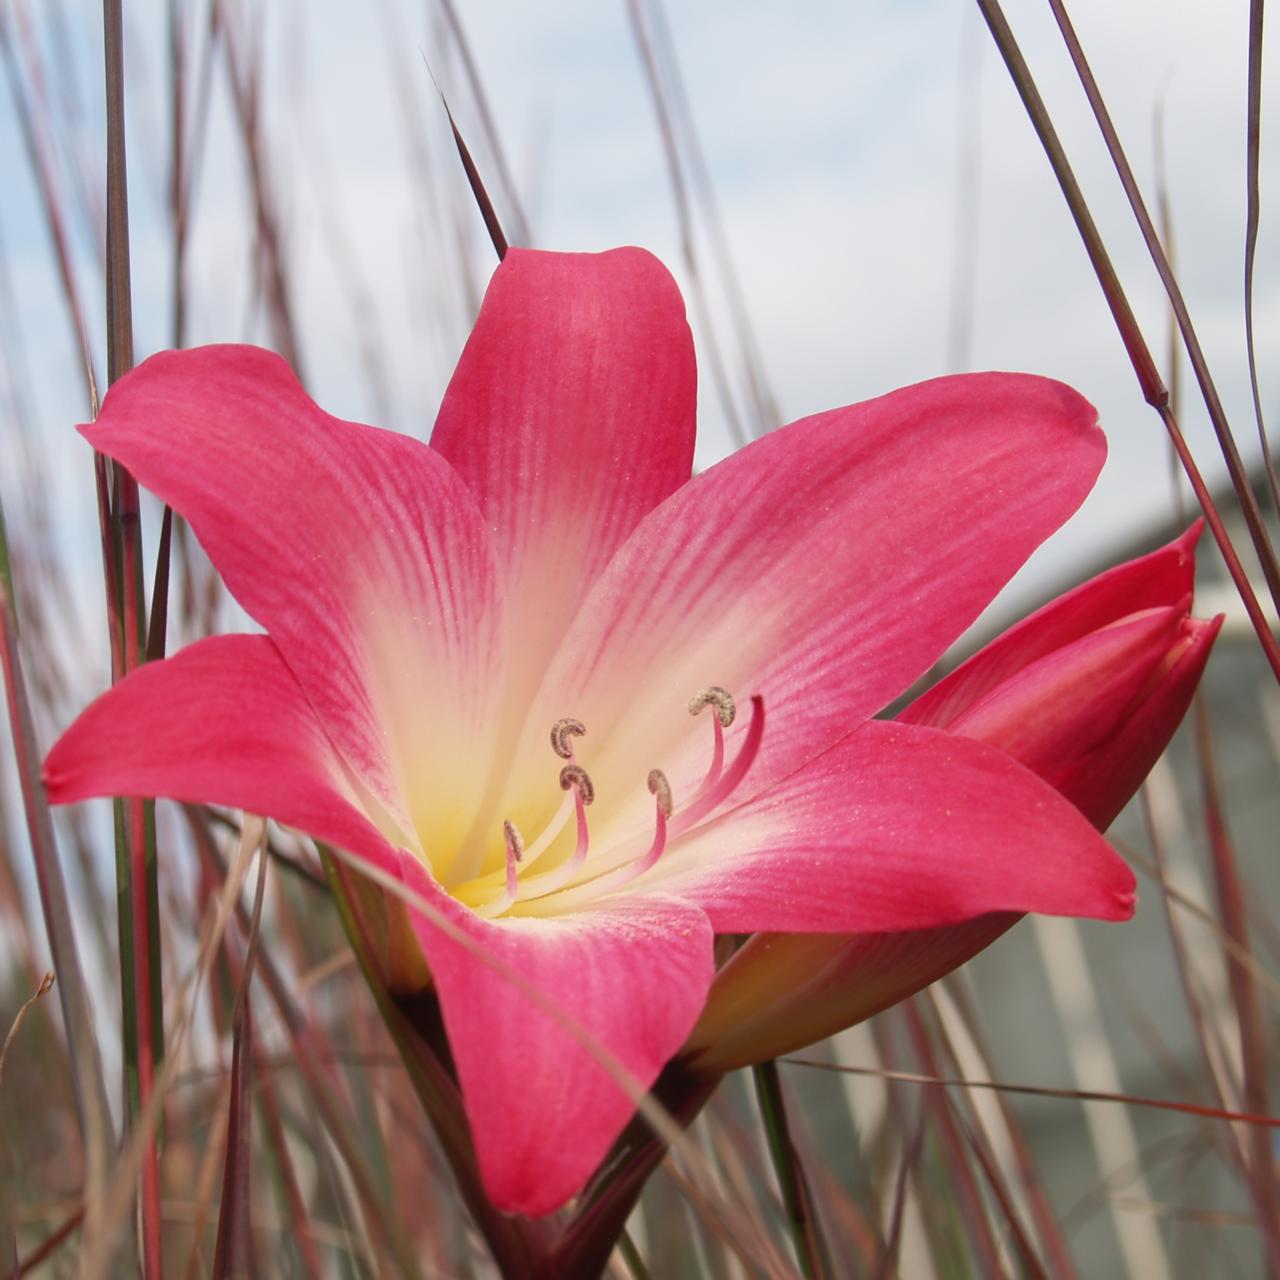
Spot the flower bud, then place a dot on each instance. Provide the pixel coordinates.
(1086, 693)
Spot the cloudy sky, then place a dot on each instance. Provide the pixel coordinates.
(864, 156)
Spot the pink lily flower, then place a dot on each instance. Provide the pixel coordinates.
(481, 657)
(1086, 692)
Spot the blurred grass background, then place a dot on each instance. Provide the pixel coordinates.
(851, 200)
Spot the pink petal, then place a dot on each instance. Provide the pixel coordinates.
(897, 827)
(1165, 577)
(359, 551)
(225, 722)
(1101, 782)
(222, 722)
(570, 415)
(542, 1107)
(1056, 709)
(826, 567)
(781, 992)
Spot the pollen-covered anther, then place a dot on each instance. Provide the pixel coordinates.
(561, 732)
(660, 789)
(574, 775)
(714, 696)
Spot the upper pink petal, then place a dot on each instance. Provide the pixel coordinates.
(224, 721)
(570, 416)
(825, 567)
(359, 550)
(896, 827)
(543, 1105)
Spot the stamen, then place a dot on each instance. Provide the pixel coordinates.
(583, 795)
(726, 710)
(716, 787)
(717, 697)
(561, 732)
(660, 788)
(515, 852)
(715, 790)
(574, 779)
(574, 775)
(633, 870)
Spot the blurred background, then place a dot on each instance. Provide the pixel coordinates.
(852, 199)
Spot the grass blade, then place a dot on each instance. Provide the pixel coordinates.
(233, 1251)
(136, 847)
(1253, 138)
(1217, 414)
(476, 183)
(77, 1012)
(1153, 388)
(1244, 990)
(796, 1198)
(486, 120)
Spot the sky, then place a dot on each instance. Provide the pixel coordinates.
(835, 138)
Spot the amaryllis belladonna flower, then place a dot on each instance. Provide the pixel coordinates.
(482, 655)
(1087, 693)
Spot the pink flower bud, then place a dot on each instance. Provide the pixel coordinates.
(1086, 693)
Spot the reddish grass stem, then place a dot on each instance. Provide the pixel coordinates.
(88, 1080)
(968, 1197)
(1153, 388)
(486, 120)
(476, 183)
(1045, 1091)
(1244, 991)
(1200, 366)
(139, 897)
(233, 1250)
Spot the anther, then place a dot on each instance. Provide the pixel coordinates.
(660, 789)
(515, 851)
(561, 732)
(574, 775)
(717, 697)
(719, 784)
(515, 845)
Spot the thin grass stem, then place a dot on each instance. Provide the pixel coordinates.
(88, 1079)
(1244, 990)
(1200, 366)
(1253, 206)
(1149, 380)
(136, 851)
(786, 1164)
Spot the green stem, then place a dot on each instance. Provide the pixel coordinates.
(786, 1164)
(631, 1256)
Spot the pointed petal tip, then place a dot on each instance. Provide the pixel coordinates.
(1190, 539)
(174, 367)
